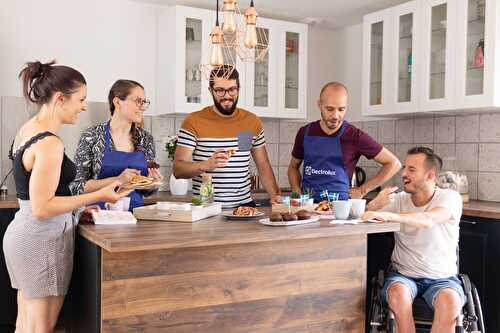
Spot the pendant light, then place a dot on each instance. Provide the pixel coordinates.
(216, 39)
(229, 24)
(251, 30)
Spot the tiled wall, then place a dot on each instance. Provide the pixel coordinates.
(469, 144)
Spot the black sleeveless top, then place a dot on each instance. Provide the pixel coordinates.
(22, 177)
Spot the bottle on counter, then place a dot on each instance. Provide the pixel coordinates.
(206, 189)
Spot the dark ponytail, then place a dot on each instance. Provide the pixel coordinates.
(121, 89)
(42, 81)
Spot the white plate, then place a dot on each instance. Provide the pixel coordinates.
(287, 223)
(231, 216)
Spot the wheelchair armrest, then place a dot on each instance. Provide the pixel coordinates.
(380, 278)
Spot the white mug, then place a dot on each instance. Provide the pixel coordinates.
(122, 205)
(341, 209)
(357, 207)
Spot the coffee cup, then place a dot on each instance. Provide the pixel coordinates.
(121, 205)
(357, 207)
(341, 209)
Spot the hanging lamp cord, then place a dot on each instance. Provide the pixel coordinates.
(217, 14)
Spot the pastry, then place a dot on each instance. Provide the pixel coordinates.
(290, 217)
(245, 211)
(303, 215)
(230, 152)
(138, 180)
(324, 206)
(275, 217)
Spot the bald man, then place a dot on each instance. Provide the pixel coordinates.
(330, 149)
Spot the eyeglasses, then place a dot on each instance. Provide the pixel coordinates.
(221, 92)
(141, 102)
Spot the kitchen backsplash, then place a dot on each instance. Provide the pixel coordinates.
(468, 144)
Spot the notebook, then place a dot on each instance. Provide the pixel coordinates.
(113, 217)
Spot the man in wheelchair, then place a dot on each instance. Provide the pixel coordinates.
(424, 259)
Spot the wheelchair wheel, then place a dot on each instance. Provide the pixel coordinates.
(479, 310)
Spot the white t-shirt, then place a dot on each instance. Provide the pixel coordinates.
(427, 253)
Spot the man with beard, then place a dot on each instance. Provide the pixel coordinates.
(219, 140)
(424, 259)
(330, 149)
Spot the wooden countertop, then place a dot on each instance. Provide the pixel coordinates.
(154, 235)
(484, 209)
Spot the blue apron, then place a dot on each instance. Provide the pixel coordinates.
(323, 165)
(114, 162)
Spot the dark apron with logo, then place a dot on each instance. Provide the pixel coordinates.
(323, 165)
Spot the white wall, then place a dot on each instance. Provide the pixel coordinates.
(347, 66)
(104, 39)
(321, 60)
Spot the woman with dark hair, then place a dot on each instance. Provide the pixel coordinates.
(119, 148)
(39, 242)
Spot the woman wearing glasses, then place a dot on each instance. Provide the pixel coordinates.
(119, 148)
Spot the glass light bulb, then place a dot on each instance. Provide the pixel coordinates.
(250, 36)
(228, 22)
(216, 57)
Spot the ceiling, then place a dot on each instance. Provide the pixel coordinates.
(331, 14)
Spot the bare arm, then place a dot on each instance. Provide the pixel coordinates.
(266, 172)
(48, 156)
(382, 199)
(390, 166)
(423, 220)
(294, 177)
(184, 167)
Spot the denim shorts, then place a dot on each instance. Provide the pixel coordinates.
(428, 289)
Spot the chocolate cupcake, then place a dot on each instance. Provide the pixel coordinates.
(290, 217)
(303, 214)
(275, 217)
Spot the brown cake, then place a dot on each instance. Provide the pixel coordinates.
(275, 217)
(303, 215)
(289, 217)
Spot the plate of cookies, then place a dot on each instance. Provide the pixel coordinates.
(243, 213)
(286, 219)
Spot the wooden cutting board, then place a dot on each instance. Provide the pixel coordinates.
(194, 214)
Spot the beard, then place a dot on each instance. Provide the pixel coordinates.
(229, 111)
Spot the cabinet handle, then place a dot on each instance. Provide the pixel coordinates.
(468, 222)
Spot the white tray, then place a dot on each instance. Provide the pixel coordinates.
(288, 223)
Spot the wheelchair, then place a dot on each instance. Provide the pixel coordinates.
(381, 318)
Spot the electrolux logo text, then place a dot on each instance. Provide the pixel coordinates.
(310, 171)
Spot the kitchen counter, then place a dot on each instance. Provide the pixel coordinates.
(485, 209)
(219, 275)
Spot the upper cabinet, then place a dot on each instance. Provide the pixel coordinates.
(276, 86)
(438, 55)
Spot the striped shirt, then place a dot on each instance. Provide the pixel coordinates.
(206, 131)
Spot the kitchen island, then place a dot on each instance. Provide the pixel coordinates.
(220, 275)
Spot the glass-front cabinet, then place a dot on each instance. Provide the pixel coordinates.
(291, 47)
(405, 71)
(478, 27)
(439, 38)
(376, 53)
(273, 86)
(183, 43)
(261, 97)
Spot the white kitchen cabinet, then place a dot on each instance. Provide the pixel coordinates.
(183, 40)
(291, 47)
(455, 58)
(438, 85)
(478, 51)
(269, 88)
(376, 62)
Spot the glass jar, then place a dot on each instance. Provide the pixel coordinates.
(206, 189)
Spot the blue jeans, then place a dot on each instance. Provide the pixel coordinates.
(428, 289)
